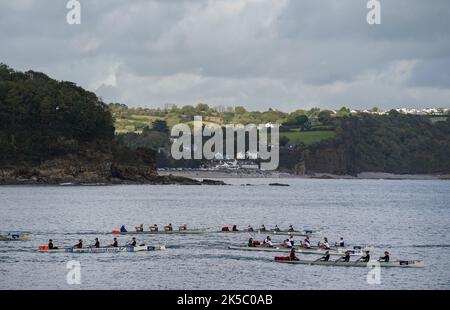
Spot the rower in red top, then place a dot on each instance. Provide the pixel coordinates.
(292, 255)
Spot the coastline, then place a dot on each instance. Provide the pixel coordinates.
(242, 174)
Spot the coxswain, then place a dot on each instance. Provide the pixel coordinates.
(268, 242)
(262, 228)
(97, 243)
(51, 246)
(183, 227)
(234, 228)
(277, 229)
(292, 255)
(79, 245)
(140, 228)
(168, 227)
(123, 229)
(250, 228)
(326, 257)
(384, 258)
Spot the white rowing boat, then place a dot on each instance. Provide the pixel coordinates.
(163, 232)
(371, 264)
(298, 250)
(15, 236)
(305, 233)
(140, 248)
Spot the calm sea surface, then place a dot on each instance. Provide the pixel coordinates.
(411, 219)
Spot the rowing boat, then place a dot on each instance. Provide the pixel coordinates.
(275, 232)
(298, 250)
(163, 232)
(371, 264)
(140, 248)
(15, 236)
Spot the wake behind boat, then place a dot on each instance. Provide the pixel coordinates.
(140, 248)
(398, 263)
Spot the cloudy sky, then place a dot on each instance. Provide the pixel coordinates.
(284, 54)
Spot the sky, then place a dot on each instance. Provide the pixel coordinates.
(280, 54)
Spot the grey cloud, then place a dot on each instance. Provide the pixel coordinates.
(283, 54)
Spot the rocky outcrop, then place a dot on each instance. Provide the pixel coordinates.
(101, 170)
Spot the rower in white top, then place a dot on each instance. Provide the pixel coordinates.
(291, 241)
(268, 242)
(168, 227)
(325, 244)
(139, 228)
(306, 243)
(183, 227)
(154, 227)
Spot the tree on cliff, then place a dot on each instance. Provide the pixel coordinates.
(41, 118)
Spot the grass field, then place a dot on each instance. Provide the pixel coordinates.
(133, 123)
(307, 137)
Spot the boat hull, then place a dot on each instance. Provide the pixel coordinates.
(162, 232)
(141, 248)
(371, 264)
(339, 252)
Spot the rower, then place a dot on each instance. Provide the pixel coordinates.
(291, 241)
(250, 243)
(250, 228)
(292, 255)
(97, 243)
(51, 246)
(277, 229)
(365, 258)
(324, 245)
(326, 257)
(384, 258)
(291, 228)
(168, 227)
(133, 242)
(140, 228)
(115, 244)
(268, 242)
(262, 228)
(79, 245)
(234, 228)
(306, 243)
(154, 227)
(123, 229)
(345, 258)
(286, 244)
(183, 227)
(341, 243)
